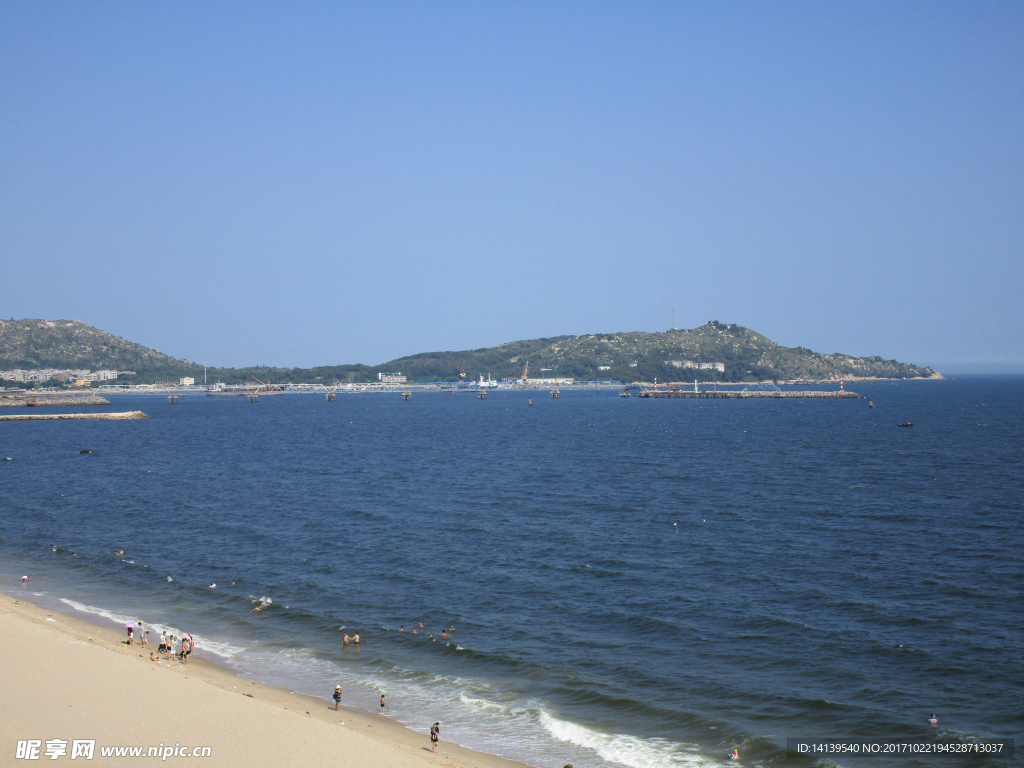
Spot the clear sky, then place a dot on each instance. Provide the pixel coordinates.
(303, 184)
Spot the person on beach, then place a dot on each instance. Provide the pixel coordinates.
(383, 706)
(163, 642)
(186, 651)
(337, 698)
(129, 636)
(435, 734)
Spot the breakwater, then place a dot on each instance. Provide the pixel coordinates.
(834, 395)
(119, 416)
(16, 401)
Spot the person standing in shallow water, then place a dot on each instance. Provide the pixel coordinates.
(383, 706)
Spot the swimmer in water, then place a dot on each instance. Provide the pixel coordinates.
(444, 634)
(451, 628)
(735, 755)
(355, 638)
(421, 625)
(257, 609)
(401, 628)
(212, 585)
(24, 579)
(933, 720)
(345, 639)
(383, 706)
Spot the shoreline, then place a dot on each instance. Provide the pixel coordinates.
(77, 679)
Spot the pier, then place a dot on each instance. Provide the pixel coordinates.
(711, 395)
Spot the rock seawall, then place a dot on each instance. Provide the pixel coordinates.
(120, 416)
(16, 401)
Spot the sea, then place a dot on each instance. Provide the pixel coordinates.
(632, 582)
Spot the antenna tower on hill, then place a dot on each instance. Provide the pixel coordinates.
(673, 318)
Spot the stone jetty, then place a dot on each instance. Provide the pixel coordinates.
(119, 416)
(15, 401)
(833, 395)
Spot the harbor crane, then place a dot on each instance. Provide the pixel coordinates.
(462, 371)
(526, 370)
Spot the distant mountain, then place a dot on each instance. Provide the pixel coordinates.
(746, 355)
(637, 356)
(72, 344)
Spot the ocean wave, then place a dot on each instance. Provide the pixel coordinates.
(224, 650)
(628, 750)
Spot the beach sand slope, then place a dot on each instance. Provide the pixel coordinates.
(62, 678)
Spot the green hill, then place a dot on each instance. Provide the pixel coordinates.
(637, 356)
(747, 356)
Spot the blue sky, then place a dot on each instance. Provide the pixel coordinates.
(302, 184)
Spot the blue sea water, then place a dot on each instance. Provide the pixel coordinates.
(633, 582)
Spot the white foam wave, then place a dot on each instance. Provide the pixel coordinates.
(225, 650)
(481, 704)
(625, 749)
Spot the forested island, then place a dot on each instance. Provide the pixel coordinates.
(673, 355)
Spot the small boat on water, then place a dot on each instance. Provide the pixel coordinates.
(905, 424)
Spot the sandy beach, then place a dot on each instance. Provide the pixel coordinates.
(65, 679)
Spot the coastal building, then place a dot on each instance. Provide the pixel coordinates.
(186, 381)
(712, 366)
(681, 363)
(391, 378)
(58, 374)
(604, 367)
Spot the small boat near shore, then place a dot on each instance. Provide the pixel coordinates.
(905, 424)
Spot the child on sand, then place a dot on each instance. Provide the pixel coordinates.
(337, 698)
(383, 706)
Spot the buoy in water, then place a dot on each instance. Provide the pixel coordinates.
(85, 451)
